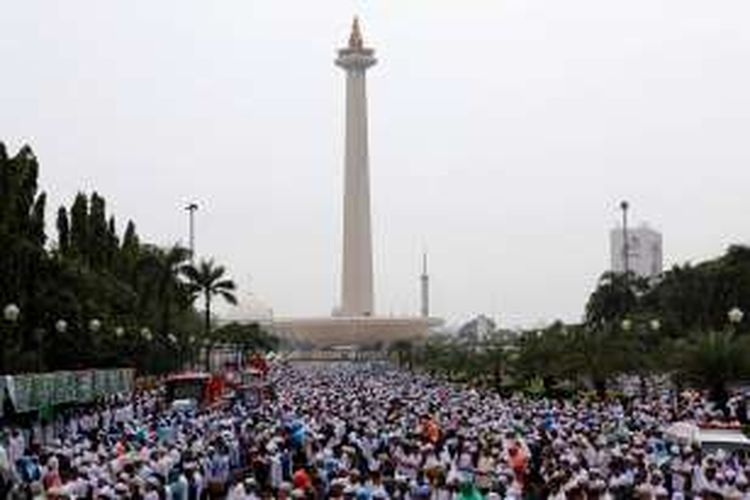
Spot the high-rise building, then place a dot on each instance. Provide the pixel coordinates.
(644, 251)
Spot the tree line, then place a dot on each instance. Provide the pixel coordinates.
(689, 324)
(92, 297)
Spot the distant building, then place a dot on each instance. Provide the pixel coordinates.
(644, 251)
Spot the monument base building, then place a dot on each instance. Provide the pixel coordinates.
(362, 332)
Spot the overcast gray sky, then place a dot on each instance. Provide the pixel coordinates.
(503, 135)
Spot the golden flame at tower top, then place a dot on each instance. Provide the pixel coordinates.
(355, 39)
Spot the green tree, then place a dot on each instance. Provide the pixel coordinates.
(63, 232)
(207, 280)
(98, 240)
(714, 360)
(546, 354)
(616, 296)
(697, 297)
(126, 266)
(87, 276)
(160, 273)
(113, 245)
(246, 337)
(130, 241)
(36, 226)
(496, 357)
(22, 238)
(404, 350)
(79, 228)
(598, 353)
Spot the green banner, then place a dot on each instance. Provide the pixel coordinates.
(129, 380)
(46, 389)
(23, 392)
(84, 386)
(101, 383)
(30, 392)
(65, 387)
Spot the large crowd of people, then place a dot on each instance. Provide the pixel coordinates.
(364, 432)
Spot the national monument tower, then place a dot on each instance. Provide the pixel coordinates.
(355, 323)
(356, 272)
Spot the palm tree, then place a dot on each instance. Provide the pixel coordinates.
(162, 270)
(207, 280)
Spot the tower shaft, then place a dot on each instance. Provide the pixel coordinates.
(425, 289)
(357, 269)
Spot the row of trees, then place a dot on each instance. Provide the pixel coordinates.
(92, 297)
(564, 358)
(687, 324)
(686, 298)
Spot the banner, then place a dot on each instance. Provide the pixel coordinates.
(84, 386)
(23, 392)
(105, 382)
(46, 393)
(65, 388)
(124, 380)
(35, 391)
(129, 380)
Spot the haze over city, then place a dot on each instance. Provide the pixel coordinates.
(502, 137)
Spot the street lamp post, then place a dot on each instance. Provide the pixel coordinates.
(173, 342)
(95, 325)
(624, 205)
(11, 314)
(735, 316)
(61, 326)
(146, 334)
(191, 208)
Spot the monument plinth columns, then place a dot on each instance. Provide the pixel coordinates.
(357, 270)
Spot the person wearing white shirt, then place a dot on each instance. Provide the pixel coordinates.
(16, 449)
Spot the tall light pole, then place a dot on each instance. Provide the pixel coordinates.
(735, 316)
(11, 315)
(191, 208)
(625, 254)
(425, 282)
